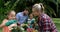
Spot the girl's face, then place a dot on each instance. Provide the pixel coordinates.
(11, 15)
(31, 16)
(35, 12)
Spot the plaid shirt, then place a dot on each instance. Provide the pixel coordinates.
(46, 24)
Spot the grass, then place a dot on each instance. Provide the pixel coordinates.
(0, 30)
(58, 26)
(57, 23)
(55, 20)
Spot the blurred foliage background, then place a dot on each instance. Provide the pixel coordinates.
(52, 7)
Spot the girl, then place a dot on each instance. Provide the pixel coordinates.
(44, 21)
(30, 23)
(10, 16)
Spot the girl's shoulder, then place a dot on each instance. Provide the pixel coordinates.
(33, 19)
(28, 19)
(5, 20)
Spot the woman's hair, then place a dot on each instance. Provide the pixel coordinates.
(39, 7)
(8, 13)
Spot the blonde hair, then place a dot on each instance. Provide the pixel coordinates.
(39, 7)
(8, 13)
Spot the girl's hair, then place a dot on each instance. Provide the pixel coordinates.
(8, 13)
(31, 14)
(39, 7)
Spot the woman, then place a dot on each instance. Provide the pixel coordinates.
(44, 21)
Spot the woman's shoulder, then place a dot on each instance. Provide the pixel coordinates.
(45, 16)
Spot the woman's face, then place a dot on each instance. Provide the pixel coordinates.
(35, 12)
(12, 15)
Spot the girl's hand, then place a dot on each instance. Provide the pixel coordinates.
(18, 24)
(12, 25)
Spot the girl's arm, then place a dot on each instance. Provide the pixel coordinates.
(3, 23)
(12, 25)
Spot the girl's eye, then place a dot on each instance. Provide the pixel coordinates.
(12, 16)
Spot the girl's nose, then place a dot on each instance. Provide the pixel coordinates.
(14, 17)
